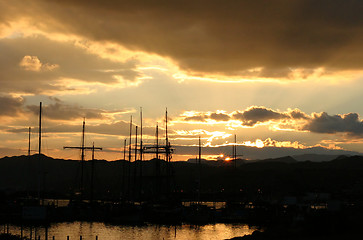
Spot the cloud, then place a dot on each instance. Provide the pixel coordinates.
(230, 37)
(32, 63)
(203, 117)
(219, 117)
(298, 114)
(61, 111)
(325, 123)
(254, 115)
(292, 119)
(195, 118)
(118, 128)
(10, 106)
(249, 117)
(252, 152)
(36, 65)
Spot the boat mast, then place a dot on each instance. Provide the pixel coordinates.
(136, 143)
(130, 139)
(82, 156)
(29, 141)
(157, 141)
(166, 136)
(141, 154)
(124, 172)
(39, 151)
(92, 172)
(199, 168)
(129, 165)
(83, 148)
(167, 154)
(40, 128)
(140, 133)
(135, 165)
(235, 151)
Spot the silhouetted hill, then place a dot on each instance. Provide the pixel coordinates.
(217, 163)
(352, 162)
(316, 157)
(272, 178)
(287, 159)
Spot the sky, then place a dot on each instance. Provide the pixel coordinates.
(284, 77)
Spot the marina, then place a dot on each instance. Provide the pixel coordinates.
(102, 231)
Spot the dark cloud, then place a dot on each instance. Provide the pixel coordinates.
(249, 117)
(298, 114)
(227, 37)
(292, 119)
(219, 117)
(255, 115)
(200, 118)
(10, 106)
(325, 123)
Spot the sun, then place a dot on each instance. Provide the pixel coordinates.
(259, 143)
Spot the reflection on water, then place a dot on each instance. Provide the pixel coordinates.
(216, 205)
(65, 202)
(89, 231)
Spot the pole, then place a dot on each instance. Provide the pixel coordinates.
(129, 168)
(83, 148)
(157, 183)
(92, 172)
(28, 185)
(46, 233)
(157, 141)
(130, 139)
(125, 149)
(166, 135)
(40, 128)
(135, 143)
(124, 171)
(141, 153)
(82, 158)
(199, 168)
(135, 164)
(140, 133)
(168, 168)
(29, 141)
(39, 148)
(235, 151)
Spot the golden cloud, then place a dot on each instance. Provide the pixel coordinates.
(32, 63)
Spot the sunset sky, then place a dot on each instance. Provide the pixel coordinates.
(285, 76)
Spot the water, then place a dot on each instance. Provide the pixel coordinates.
(216, 205)
(65, 202)
(89, 231)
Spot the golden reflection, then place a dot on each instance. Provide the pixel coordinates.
(89, 230)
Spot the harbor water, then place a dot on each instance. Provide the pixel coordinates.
(102, 231)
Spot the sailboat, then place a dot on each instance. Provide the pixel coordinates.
(36, 210)
(199, 213)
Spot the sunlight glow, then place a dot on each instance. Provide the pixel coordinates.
(258, 143)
